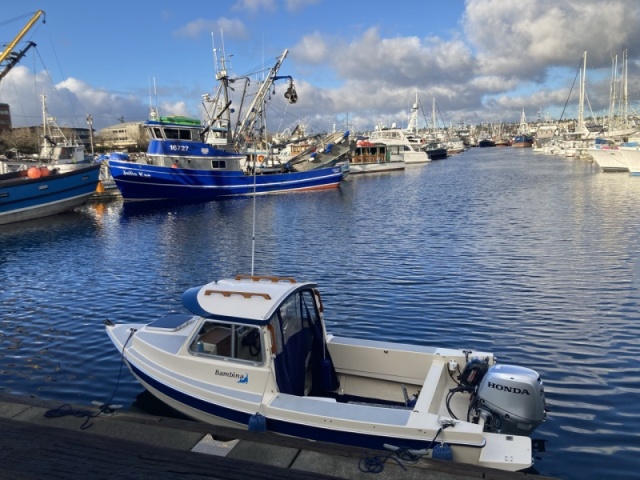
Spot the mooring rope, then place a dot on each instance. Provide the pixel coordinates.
(105, 408)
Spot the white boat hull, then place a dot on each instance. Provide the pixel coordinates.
(609, 159)
(385, 396)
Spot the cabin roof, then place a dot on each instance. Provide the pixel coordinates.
(244, 299)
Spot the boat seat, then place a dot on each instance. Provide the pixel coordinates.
(217, 341)
(425, 402)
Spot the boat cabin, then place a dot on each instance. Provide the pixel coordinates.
(174, 128)
(280, 318)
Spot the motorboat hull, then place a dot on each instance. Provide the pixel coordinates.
(276, 366)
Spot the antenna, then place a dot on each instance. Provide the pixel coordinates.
(253, 233)
(153, 110)
(215, 52)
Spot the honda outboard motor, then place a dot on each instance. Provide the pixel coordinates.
(511, 400)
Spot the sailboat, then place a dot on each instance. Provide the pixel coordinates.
(612, 151)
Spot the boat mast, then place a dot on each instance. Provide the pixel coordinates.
(625, 93)
(249, 120)
(433, 118)
(612, 93)
(413, 119)
(581, 102)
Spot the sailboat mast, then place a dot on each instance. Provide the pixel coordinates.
(433, 116)
(625, 93)
(582, 88)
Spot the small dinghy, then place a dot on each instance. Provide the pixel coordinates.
(254, 353)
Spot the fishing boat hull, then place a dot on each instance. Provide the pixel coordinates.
(486, 142)
(23, 198)
(246, 359)
(437, 153)
(138, 181)
(522, 141)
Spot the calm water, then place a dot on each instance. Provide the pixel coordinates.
(529, 256)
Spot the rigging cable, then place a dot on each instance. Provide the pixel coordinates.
(571, 90)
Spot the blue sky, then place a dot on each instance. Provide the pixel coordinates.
(482, 60)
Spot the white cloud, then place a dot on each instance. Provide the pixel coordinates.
(69, 101)
(233, 28)
(523, 38)
(254, 6)
(312, 49)
(296, 5)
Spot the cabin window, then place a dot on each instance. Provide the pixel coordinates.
(177, 133)
(156, 133)
(218, 164)
(229, 340)
(171, 133)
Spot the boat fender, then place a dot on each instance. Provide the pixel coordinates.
(260, 158)
(34, 172)
(257, 423)
(442, 451)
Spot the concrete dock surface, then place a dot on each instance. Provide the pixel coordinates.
(42, 439)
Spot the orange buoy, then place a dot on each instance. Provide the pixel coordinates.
(33, 172)
(44, 172)
(100, 187)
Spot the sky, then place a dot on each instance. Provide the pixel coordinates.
(355, 63)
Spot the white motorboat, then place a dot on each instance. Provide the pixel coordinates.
(254, 353)
(371, 157)
(609, 158)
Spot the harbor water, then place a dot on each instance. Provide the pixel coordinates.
(532, 257)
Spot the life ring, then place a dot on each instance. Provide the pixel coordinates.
(260, 158)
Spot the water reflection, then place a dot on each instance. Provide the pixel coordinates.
(532, 257)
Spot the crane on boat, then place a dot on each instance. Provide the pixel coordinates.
(8, 52)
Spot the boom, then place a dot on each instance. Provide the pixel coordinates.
(22, 33)
(15, 59)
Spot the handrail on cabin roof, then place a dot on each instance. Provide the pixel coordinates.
(228, 293)
(257, 278)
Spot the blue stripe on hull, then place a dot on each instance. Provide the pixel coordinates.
(138, 182)
(375, 442)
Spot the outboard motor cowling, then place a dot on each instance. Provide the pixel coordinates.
(511, 399)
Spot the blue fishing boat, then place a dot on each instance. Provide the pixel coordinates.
(523, 139)
(190, 160)
(187, 168)
(40, 192)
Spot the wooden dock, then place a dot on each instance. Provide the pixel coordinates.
(40, 441)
